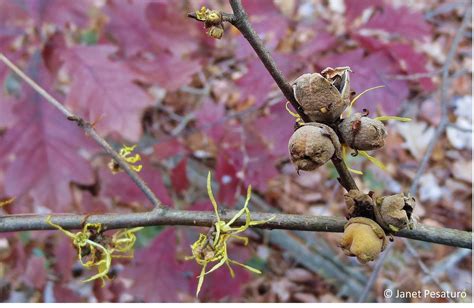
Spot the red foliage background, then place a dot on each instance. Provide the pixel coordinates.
(148, 75)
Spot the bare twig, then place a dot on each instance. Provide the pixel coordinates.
(377, 268)
(308, 249)
(445, 236)
(425, 268)
(242, 23)
(460, 128)
(240, 20)
(88, 129)
(448, 262)
(225, 17)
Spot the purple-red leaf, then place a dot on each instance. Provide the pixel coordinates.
(71, 12)
(411, 62)
(156, 274)
(274, 136)
(179, 177)
(168, 148)
(40, 153)
(103, 90)
(166, 70)
(399, 21)
(226, 175)
(35, 273)
(129, 27)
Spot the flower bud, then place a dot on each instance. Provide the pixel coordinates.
(363, 238)
(311, 146)
(324, 96)
(394, 212)
(362, 133)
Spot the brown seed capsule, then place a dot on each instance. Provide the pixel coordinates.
(311, 146)
(363, 238)
(359, 204)
(324, 96)
(394, 212)
(362, 133)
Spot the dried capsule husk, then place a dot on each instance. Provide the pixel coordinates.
(359, 204)
(363, 238)
(362, 133)
(324, 96)
(394, 212)
(310, 147)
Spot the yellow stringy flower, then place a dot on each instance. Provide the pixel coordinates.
(123, 242)
(212, 247)
(125, 152)
(95, 250)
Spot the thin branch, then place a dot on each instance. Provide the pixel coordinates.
(445, 236)
(240, 20)
(460, 128)
(242, 23)
(426, 270)
(88, 129)
(225, 17)
(449, 262)
(373, 277)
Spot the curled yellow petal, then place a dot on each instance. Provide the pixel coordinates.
(7, 201)
(373, 160)
(123, 242)
(355, 171)
(96, 250)
(252, 269)
(386, 118)
(103, 265)
(202, 13)
(344, 152)
(201, 279)
(68, 233)
(294, 114)
(125, 152)
(354, 100)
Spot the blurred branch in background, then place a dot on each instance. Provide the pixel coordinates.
(444, 122)
(445, 81)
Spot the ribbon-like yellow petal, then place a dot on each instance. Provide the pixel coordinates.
(373, 160)
(7, 201)
(354, 100)
(386, 118)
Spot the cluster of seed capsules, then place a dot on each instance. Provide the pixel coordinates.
(323, 98)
